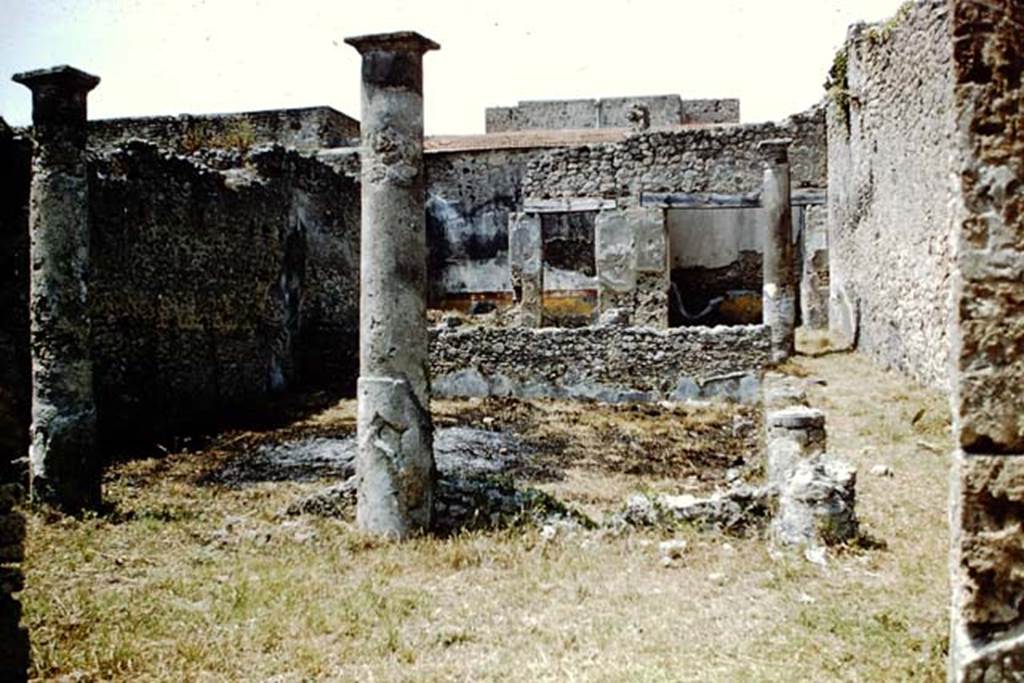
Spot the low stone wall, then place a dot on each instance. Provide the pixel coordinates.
(307, 128)
(604, 363)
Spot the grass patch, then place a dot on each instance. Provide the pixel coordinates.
(203, 582)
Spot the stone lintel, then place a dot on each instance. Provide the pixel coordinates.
(399, 41)
(775, 150)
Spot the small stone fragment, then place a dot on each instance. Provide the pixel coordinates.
(881, 471)
(673, 549)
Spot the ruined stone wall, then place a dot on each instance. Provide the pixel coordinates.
(710, 111)
(307, 128)
(470, 195)
(988, 341)
(213, 289)
(605, 363)
(721, 160)
(609, 112)
(15, 365)
(889, 193)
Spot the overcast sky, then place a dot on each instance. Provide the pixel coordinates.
(197, 56)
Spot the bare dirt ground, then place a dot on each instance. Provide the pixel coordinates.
(198, 576)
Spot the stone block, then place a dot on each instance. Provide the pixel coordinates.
(817, 505)
(988, 543)
(1003, 661)
(651, 235)
(989, 389)
(797, 418)
(615, 252)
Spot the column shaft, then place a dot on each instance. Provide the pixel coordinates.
(395, 463)
(64, 465)
(779, 293)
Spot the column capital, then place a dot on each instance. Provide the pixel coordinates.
(58, 98)
(399, 41)
(62, 79)
(775, 150)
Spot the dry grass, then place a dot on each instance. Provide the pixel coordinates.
(199, 582)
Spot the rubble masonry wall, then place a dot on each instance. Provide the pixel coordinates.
(606, 363)
(722, 160)
(988, 341)
(889, 193)
(213, 289)
(307, 128)
(609, 112)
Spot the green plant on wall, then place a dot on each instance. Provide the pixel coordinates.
(881, 32)
(237, 135)
(837, 87)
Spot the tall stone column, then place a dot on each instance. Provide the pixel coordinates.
(780, 281)
(395, 462)
(65, 470)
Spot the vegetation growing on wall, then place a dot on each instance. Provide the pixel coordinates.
(837, 87)
(882, 31)
(239, 136)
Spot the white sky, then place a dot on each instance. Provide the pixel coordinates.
(198, 56)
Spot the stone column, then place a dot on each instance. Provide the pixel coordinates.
(395, 461)
(526, 267)
(794, 433)
(779, 294)
(63, 461)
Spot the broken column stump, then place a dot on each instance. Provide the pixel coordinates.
(395, 465)
(779, 292)
(816, 494)
(64, 467)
